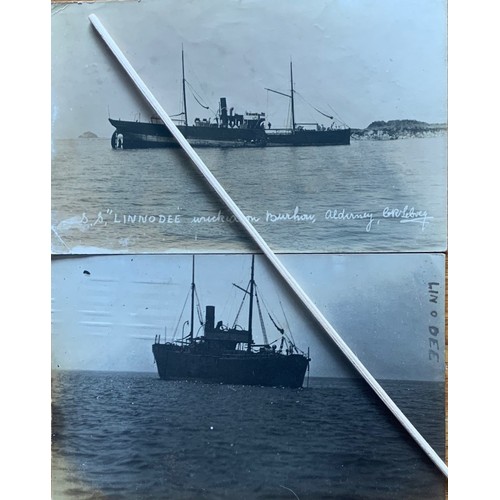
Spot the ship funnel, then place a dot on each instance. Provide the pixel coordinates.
(209, 318)
(223, 111)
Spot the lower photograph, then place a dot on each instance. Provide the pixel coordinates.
(204, 376)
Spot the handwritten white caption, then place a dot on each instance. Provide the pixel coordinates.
(404, 215)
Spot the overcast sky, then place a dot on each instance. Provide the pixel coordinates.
(365, 60)
(107, 318)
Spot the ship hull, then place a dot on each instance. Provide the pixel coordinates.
(338, 137)
(140, 135)
(230, 367)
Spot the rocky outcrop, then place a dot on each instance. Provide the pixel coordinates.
(88, 135)
(398, 129)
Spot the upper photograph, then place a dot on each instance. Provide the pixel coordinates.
(325, 122)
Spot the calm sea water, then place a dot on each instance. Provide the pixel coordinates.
(131, 435)
(367, 197)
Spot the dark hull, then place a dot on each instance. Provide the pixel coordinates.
(139, 135)
(230, 367)
(339, 137)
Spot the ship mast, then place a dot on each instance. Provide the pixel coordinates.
(184, 90)
(250, 308)
(291, 96)
(193, 286)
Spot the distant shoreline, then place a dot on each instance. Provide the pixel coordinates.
(398, 129)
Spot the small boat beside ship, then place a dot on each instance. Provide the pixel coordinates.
(228, 129)
(229, 354)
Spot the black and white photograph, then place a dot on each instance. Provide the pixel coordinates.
(325, 122)
(202, 376)
(248, 240)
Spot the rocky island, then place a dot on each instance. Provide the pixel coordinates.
(398, 129)
(88, 135)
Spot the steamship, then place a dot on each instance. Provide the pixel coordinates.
(229, 354)
(228, 129)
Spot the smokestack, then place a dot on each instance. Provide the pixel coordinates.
(209, 319)
(223, 111)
